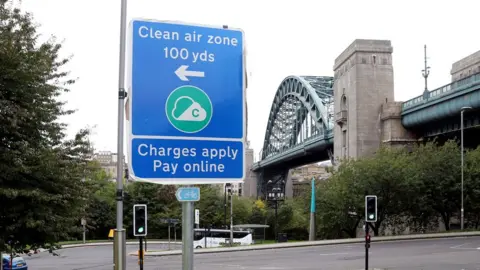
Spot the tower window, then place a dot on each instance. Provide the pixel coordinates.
(374, 59)
(344, 103)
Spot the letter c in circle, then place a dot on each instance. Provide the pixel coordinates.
(195, 112)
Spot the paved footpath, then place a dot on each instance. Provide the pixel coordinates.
(433, 254)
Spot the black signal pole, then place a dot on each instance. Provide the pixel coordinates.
(367, 244)
(140, 253)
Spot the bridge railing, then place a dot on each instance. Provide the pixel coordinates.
(442, 91)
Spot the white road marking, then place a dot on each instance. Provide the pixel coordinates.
(465, 248)
(328, 254)
(459, 246)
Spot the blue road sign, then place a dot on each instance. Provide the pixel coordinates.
(187, 115)
(188, 194)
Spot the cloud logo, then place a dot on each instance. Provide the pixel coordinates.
(193, 111)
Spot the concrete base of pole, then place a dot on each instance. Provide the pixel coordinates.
(119, 250)
(311, 235)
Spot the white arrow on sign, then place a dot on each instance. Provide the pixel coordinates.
(183, 73)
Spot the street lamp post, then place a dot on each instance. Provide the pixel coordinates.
(462, 212)
(275, 194)
(231, 218)
(225, 205)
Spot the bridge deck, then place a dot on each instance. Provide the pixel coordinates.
(442, 103)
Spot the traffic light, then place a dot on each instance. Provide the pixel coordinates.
(371, 208)
(140, 220)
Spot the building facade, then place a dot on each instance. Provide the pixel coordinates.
(301, 178)
(249, 186)
(108, 162)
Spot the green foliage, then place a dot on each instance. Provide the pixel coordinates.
(472, 188)
(435, 173)
(414, 189)
(161, 203)
(259, 213)
(100, 212)
(42, 195)
(211, 207)
(337, 198)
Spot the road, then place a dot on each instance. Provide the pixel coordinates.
(438, 254)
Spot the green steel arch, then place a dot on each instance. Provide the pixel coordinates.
(301, 109)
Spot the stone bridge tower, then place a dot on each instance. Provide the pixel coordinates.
(363, 85)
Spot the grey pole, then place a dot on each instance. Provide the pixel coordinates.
(231, 219)
(84, 234)
(225, 205)
(187, 236)
(119, 250)
(461, 139)
(462, 212)
(168, 235)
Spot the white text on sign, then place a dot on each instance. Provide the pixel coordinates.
(183, 53)
(212, 164)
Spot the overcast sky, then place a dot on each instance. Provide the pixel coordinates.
(301, 37)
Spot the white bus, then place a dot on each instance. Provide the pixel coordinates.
(218, 238)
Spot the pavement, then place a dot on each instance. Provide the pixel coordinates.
(432, 254)
(109, 243)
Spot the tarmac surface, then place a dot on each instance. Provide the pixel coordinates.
(434, 254)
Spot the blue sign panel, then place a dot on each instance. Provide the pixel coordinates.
(187, 118)
(188, 194)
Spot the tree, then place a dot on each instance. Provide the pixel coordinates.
(435, 174)
(339, 203)
(385, 175)
(259, 213)
(42, 194)
(161, 203)
(242, 210)
(211, 207)
(293, 218)
(472, 188)
(101, 212)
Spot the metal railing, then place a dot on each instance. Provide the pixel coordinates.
(442, 91)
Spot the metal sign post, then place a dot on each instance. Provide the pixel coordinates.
(84, 223)
(187, 196)
(175, 233)
(187, 236)
(168, 235)
(119, 249)
(170, 222)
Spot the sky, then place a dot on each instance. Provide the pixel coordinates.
(301, 37)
